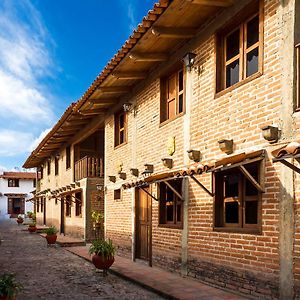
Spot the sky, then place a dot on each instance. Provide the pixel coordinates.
(50, 53)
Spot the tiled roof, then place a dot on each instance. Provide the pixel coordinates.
(291, 148)
(18, 175)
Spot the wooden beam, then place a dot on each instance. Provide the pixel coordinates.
(103, 101)
(129, 75)
(173, 190)
(202, 186)
(90, 112)
(149, 194)
(221, 3)
(148, 57)
(173, 32)
(114, 89)
(288, 164)
(251, 179)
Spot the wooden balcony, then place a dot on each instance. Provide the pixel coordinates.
(88, 167)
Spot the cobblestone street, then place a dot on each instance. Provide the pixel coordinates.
(54, 273)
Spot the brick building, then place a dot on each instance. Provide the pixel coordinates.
(196, 110)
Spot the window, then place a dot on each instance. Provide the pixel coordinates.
(34, 182)
(120, 128)
(56, 165)
(13, 182)
(38, 205)
(170, 205)
(40, 172)
(42, 205)
(117, 194)
(68, 205)
(297, 106)
(78, 204)
(237, 200)
(240, 49)
(172, 96)
(68, 157)
(49, 167)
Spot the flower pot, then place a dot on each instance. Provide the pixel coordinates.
(19, 221)
(32, 229)
(101, 262)
(51, 239)
(6, 298)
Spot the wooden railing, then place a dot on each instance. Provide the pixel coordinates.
(88, 167)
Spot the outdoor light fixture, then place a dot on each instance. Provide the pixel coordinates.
(189, 60)
(127, 106)
(122, 175)
(99, 187)
(112, 178)
(134, 172)
(167, 162)
(226, 146)
(148, 169)
(270, 133)
(194, 155)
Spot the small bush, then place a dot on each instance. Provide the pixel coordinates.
(9, 287)
(51, 230)
(102, 248)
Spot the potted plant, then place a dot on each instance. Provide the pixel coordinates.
(9, 287)
(103, 254)
(29, 214)
(51, 235)
(32, 227)
(33, 217)
(20, 219)
(97, 218)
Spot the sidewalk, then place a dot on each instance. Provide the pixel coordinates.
(163, 282)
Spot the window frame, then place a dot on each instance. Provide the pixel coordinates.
(118, 129)
(13, 182)
(68, 206)
(219, 216)
(48, 167)
(162, 216)
(78, 204)
(56, 165)
(253, 10)
(164, 100)
(68, 157)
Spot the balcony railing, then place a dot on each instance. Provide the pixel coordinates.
(88, 167)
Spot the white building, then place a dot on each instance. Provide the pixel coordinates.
(15, 189)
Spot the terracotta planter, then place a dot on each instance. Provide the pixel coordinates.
(5, 298)
(32, 229)
(51, 239)
(101, 262)
(19, 221)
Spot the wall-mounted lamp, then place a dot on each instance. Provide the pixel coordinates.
(189, 60)
(148, 169)
(167, 162)
(127, 106)
(134, 172)
(112, 178)
(194, 155)
(99, 187)
(270, 133)
(122, 175)
(226, 146)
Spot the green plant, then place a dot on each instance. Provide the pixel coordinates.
(32, 224)
(9, 287)
(51, 230)
(102, 248)
(97, 216)
(29, 214)
(33, 216)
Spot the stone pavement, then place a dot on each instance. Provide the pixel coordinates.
(54, 273)
(165, 283)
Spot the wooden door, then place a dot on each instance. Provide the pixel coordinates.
(62, 215)
(143, 225)
(44, 210)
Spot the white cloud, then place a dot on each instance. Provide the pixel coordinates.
(14, 142)
(24, 62)
(130, 6)
(36, 141)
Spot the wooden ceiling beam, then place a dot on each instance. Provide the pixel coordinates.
(92, 112)
(173, 32)
(148, 57)
(114, 89)
(103, 101)
(221, 3)
(129, 75)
